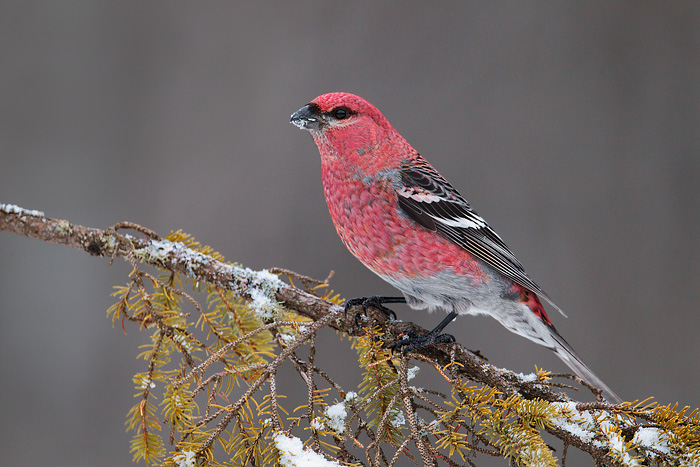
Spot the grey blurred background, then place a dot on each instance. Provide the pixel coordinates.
(573, 128)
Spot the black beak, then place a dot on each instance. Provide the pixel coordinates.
(307, 118)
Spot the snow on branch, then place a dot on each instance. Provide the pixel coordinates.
(215, 371)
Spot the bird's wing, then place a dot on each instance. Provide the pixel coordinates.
(429, 199)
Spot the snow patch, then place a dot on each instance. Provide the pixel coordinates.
(293, 454)
(317, 424)
(335, 417)
(287, 338)
(527, 378)
(13, 209)
(261, 286)
(579, 424)
(163, 249)
(616, 443)
(147, 383)
(652, 438)
(185, 459)
(397, 418)
(261, 304)
(182, 340)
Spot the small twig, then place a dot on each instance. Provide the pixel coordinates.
(411, 413)
(383, 424)
(139, 228)
(398, 452)
(309, 282)
(273, 403)
(311, 388)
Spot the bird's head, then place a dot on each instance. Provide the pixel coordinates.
(335, 111)
(348, 127)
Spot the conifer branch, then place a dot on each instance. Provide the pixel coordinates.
(110, 243)
(537, 404)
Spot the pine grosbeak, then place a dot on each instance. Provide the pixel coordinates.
(407, 224)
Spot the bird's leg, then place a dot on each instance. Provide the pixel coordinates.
(377, 302)
(416, 342)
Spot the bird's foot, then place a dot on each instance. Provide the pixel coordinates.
(412, 341)
(376, 302)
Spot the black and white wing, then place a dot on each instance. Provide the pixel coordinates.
(429, 199)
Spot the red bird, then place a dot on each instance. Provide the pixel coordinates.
(406, 223)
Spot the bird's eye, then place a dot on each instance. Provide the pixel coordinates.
(341, 113)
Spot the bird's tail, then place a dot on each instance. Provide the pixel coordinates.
(573, 361)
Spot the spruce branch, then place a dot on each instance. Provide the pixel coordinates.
(109, 243)
(504, 415)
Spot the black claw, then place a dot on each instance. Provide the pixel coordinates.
(413, 341)
(352, 303)
(375, 302)
(358, 318)
(416, 342)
